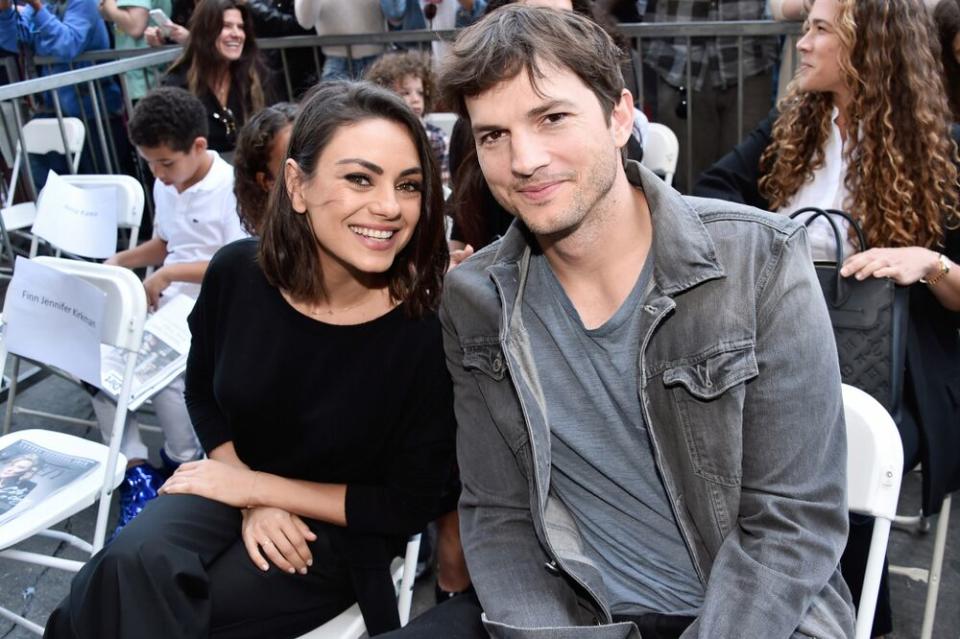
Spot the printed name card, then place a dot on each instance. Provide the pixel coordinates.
(54, 318)
(82, 221)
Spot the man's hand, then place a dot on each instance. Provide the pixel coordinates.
(5, 4)
(154, 287)
(279, 535)
(905, 266)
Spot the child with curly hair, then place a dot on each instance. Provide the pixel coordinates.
(410, 75)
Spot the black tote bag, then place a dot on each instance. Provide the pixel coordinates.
(869, 320)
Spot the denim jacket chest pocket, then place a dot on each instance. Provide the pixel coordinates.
(485, 360)
(708, 392)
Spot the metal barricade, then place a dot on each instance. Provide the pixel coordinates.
(110, 64)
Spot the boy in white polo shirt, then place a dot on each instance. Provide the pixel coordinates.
(195, 214)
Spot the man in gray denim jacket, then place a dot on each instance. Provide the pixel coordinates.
(650, 419)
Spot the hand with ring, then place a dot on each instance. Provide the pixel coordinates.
(281, 537)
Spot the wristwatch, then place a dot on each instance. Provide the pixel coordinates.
(945, 265)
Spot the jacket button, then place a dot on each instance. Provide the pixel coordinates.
(650, 308)
(497, 365)
(552, 567)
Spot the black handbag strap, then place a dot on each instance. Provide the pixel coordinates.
(840, 292)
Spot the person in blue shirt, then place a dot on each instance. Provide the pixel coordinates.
(62, 29)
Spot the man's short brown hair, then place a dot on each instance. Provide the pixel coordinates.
(518, 38)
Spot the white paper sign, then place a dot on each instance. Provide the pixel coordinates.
(79, 221)
(54, 318)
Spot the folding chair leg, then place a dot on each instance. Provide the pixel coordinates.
(11, 394)
(871, 579)
(936, 567)
(21, 621)
(116, 434)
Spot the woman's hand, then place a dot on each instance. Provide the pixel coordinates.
(279, 535)
(905, 266)
(216, 480)
(459, 255)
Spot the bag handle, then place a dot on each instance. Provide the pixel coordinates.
(841, 291)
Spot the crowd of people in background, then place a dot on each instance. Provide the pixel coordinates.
(258, 146)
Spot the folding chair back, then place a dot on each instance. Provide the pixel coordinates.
(661, 150)
(126, 302)
(349, 623)
(41, 135)
(124, 315)
(874, 471)
(130, 198)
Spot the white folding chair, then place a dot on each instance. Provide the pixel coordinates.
(442, 120)
(931, 576)
(874, 471)
(660, 151)
(130, 201)
(125, 313)
(41, 135)
(349, 623)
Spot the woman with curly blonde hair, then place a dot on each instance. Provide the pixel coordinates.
(865, 127)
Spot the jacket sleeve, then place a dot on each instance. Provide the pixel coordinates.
(735, 177)
(271, 22)
(505, 559)
(10, 20)
(792, 520)
(64, 39)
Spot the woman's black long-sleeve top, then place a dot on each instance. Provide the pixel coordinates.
(367, 405)
(932, 379)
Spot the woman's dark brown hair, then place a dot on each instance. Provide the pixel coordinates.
(252, 157)
(288, 252)
(203, 64)
(946, 17)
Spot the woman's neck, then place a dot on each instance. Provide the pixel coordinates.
(347, 299)
(221, 85)
(842, 102)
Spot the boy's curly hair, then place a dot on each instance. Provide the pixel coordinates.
(168, 116)
(392, 68)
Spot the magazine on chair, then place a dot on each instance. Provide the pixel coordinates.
(163, 354)
(30, 473)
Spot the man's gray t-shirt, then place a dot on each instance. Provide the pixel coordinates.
(602, 462)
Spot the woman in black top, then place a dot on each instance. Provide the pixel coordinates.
(221, 65)
(316, 382)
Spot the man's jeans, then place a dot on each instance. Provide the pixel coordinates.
(335, 68)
